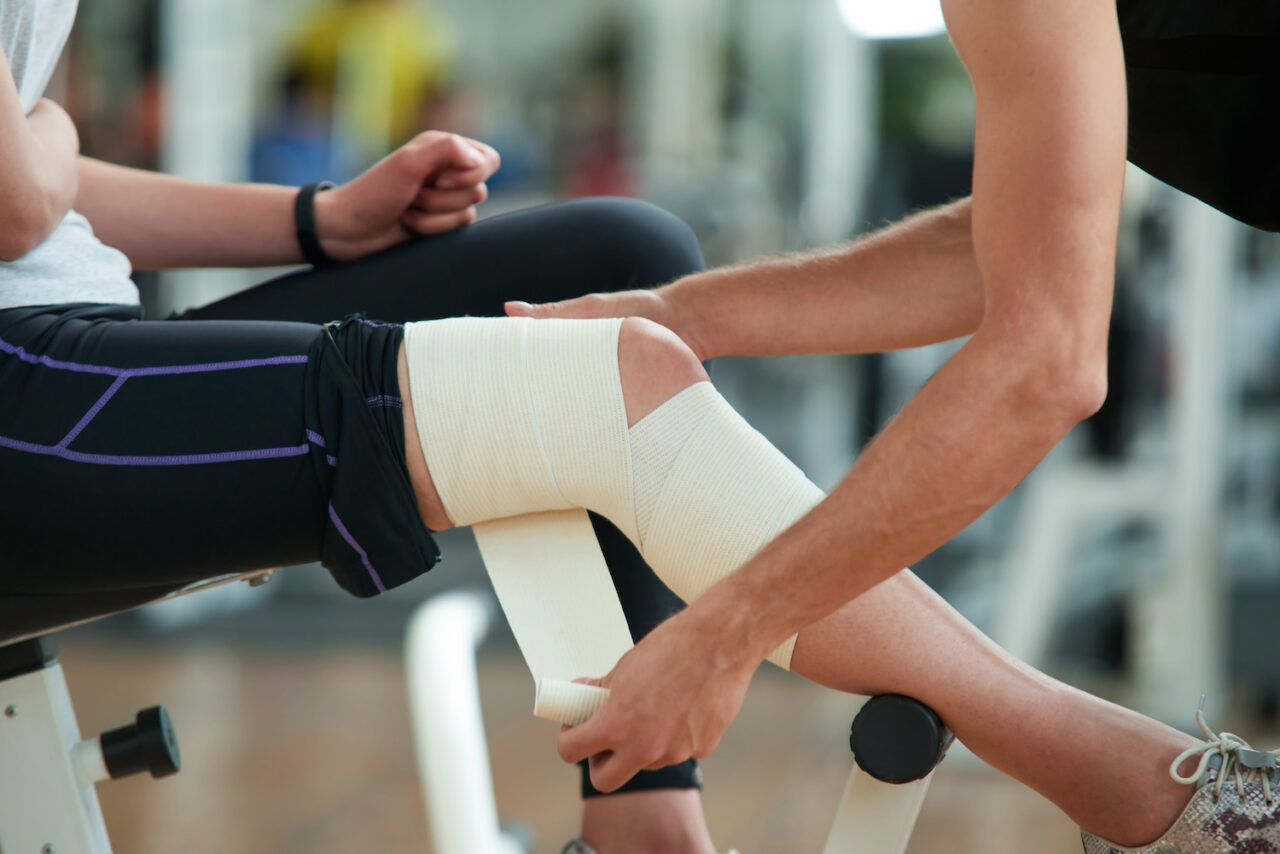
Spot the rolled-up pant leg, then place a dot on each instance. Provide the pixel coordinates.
(543, 254)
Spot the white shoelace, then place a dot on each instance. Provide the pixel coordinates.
(1238, 760)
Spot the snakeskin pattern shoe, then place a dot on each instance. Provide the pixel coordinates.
(1235, 810)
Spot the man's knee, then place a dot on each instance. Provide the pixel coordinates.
(654, 365)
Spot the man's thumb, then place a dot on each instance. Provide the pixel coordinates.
(518, 308)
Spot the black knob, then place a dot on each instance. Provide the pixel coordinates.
(897, 739)
(149, 744)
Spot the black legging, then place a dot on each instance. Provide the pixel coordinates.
(122, 440)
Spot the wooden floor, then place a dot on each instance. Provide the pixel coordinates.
(309, 753)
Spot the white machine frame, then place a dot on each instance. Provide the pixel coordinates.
(48, 804)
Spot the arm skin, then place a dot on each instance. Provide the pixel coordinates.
(913, 283)
(429, 185)
(1049, 168)
(162, 222)
(37, 169)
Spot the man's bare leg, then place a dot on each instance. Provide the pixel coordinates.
(1104, 766)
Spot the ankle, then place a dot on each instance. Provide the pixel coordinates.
(660, 820)
(1153, 804)
(1139, 828)
(649, 840)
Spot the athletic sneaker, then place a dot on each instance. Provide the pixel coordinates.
(1235, 810)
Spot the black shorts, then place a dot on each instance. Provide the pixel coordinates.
(149, 455)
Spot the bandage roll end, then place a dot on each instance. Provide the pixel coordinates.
(564, 702)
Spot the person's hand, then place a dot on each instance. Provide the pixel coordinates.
(429, 185)
(655, 305)
(671, 698)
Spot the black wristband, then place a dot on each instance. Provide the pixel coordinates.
(304, 222)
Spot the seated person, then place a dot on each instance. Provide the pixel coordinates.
(162, 448)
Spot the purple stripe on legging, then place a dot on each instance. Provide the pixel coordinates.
(387, 400)
(6, 347)
(209, 367)
(166, 460)
(351, 541)
(93, 411)
(316, 439)
(162, 370)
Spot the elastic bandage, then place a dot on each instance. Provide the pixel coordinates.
(519, 416)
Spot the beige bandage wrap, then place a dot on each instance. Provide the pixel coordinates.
(523, 423)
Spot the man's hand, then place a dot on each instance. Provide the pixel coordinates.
(656, 305)
(671, 698)
(429, 185)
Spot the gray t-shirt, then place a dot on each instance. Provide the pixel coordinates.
(71, 265)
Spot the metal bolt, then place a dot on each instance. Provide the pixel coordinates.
(261, 579)
(10, 711)
(47, 849)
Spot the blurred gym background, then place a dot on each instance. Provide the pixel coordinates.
(1140, 561)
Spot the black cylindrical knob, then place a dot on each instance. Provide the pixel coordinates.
(149, 744)
(897, 739)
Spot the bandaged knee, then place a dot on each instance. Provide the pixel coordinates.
(519, 416)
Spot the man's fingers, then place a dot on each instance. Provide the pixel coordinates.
(423, 222)
(579, 742)
(444, 201)
(519, 308)
(609, 771)
(588, 306)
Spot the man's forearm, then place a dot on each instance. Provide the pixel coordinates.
(970, 435)
(910, 284)
(163, 222)
(1048, 176)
